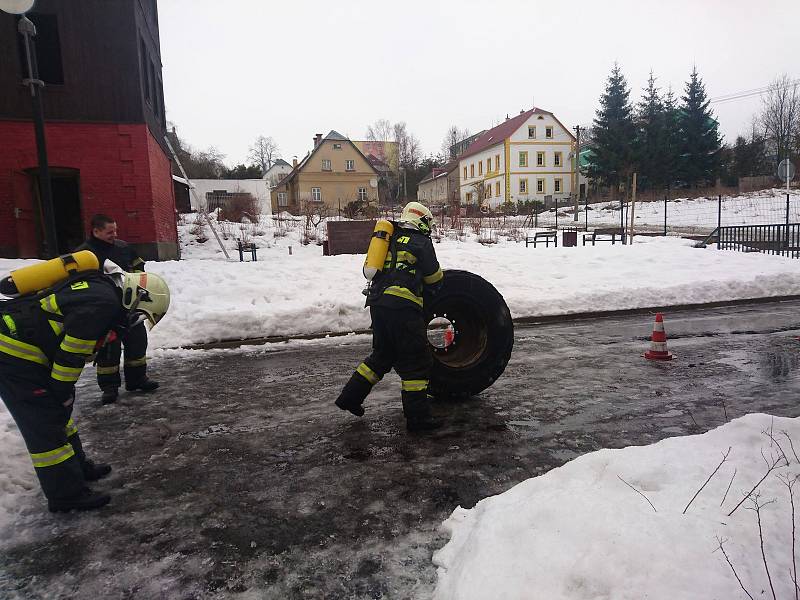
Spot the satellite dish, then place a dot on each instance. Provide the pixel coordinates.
(373, 182)
(16, 7)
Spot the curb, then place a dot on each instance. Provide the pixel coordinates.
(525, 321)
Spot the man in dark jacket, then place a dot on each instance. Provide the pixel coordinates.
(105, 245)
(399, 331)
(45, 340)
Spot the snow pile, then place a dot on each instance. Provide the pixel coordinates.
(581, 531)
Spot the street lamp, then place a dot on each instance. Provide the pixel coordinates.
(27, 30)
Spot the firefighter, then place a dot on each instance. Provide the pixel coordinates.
(45, 339)
(399, 332)
(105, 245)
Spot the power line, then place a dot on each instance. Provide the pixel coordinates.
(754, 92)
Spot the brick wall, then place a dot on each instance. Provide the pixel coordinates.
(349, 237)
(122, 172)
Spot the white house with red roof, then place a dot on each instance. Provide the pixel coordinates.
(526, 157)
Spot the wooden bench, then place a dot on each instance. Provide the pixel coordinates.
(604, 235)
(542, 236)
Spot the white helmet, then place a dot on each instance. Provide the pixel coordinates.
(419, 216)
(146, 294)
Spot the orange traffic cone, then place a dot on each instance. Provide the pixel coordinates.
(658, 342)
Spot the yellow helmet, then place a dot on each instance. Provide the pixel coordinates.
(146, 294)
(418, 215)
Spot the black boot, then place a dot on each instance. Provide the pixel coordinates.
(353, 395)
(416, 407)
(93, 471)
(110, 395)
(85, 500)
(142, 385)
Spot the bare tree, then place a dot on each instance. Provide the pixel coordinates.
(264, 152)
(780, 116)
(451, 138)
(380, 131)
(408, 147)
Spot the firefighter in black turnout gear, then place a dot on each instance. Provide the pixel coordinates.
(45, 340)
(399, 332)
(105, 245)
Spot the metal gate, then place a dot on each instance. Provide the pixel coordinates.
(782, 239)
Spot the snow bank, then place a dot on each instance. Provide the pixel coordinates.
(579, 532)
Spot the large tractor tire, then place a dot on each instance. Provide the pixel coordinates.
(481, 338)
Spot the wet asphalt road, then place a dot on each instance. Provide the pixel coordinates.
(240, 479)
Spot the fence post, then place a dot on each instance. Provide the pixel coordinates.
(665, 215)
(787, 224)
(586, 214)
(719, 221)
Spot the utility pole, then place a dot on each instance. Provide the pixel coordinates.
(577, 129)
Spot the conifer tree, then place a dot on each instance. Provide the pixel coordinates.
(699, 133)
(651, 137)
(672, 139)
(614, 133)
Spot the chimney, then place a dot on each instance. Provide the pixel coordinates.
(317, 139)
(507, 117)
(521, 110)
(294, 162)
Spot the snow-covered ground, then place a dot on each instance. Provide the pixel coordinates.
(579, 531)
(612, 524)
(293, 289)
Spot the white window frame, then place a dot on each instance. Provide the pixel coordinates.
(283, 199)
(558, 185)
(316, 194)
(548, 132)
(525, 154)
(541, 186)
(558, 160)
(362, 194)
(349, 165)
(543, 157)
(531, 130)
(523, 186)
(326, 165)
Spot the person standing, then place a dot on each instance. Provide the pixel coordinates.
(104, 243)
(45, 340)
(399, 332)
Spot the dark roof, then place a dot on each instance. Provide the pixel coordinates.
(280, 161)
(496, 135)
(443, 170)
(335, 135)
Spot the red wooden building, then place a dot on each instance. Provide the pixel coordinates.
(105, 124)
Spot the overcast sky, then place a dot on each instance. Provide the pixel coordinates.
(234, 69)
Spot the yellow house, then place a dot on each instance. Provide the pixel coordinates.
(335, 172)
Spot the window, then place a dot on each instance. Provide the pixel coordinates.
(540, 186)
(523, 159)
(548, 133)
(557, 186)
(283, 199)
(488, 165)
(472, 170)
(337, 146)
(47, 45)
(532, 132)
(497, 189)
(523, 186)
(557, 159)
(469, 197)
(326, 164)
(540, 159)
(362, 194)
(489, 191)
(465, 172)
(349, 165)
(480, 167)
(496, 162)
(316, 194)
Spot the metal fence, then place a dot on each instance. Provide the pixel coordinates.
(781, 239)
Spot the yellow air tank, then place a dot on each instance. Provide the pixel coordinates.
(44, 275)
(378, 247)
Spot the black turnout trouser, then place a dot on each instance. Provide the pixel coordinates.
(135, 366)
(46, 426)
(399, 340)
